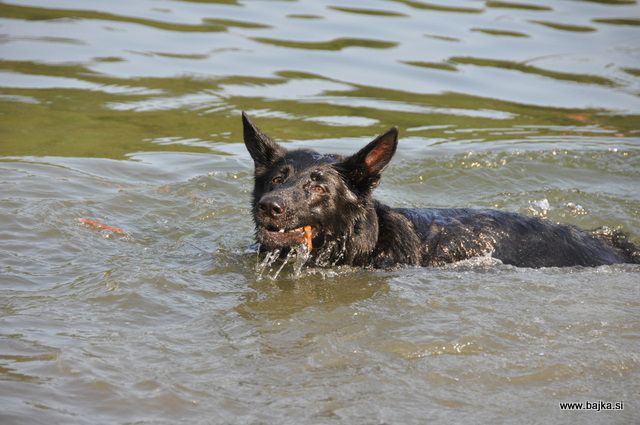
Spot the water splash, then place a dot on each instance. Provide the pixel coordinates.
(289, 256)
(267, 262)
(481, 262)
(341, 253)
(539, 208)
(331, 252)
(271, 269)
(302, 256)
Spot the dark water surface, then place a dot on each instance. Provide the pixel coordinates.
(127, 112)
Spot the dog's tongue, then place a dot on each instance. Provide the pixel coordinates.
(308, 238)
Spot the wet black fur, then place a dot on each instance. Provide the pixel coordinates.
(333, 194)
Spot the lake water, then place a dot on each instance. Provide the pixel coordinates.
(128, 113)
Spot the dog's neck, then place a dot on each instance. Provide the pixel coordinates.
(363, 236)
(376, 236)
(352, 237)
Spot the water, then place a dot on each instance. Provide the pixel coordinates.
(127, 113)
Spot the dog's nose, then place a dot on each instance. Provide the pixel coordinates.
(272, 206)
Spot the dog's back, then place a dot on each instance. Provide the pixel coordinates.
(454, 234)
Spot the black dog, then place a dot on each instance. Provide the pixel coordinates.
(326, 201)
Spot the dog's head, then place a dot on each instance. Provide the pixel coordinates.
(301, 193)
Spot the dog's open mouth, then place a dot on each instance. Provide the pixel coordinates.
(273, 237)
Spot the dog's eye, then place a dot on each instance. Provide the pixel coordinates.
(318, 189)
(277, 180)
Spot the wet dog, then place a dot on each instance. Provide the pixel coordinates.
(324, 201)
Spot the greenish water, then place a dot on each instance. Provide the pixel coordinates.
(128, 113)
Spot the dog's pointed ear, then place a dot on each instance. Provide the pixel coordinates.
(364, 167)
(262, 149)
